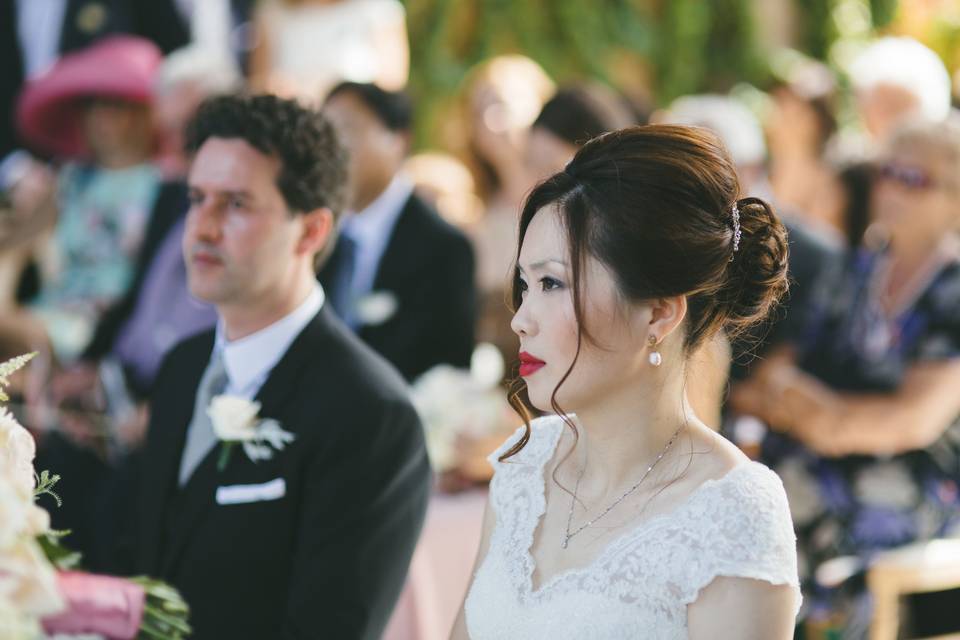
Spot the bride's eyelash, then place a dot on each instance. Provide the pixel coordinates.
(548, 284)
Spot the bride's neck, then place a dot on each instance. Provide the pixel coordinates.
(622, 435)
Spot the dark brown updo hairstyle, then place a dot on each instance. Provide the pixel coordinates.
(655, 205)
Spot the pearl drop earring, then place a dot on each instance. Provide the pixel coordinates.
(654, 357)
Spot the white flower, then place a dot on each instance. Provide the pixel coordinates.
(376, 307)
(28, 580)
(38, 521)
(455, 403)
(17, 451)
(14, 511)
(14, 623)
(234, 419)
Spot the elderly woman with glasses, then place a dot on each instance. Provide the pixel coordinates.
(865, 411)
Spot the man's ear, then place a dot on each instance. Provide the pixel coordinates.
(317, 229)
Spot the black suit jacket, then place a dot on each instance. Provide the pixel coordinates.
(328, 558)
(428, 266)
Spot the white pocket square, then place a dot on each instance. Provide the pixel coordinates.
(242, 493)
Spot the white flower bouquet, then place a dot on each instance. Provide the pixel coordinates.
(38, 595)
(464, 412)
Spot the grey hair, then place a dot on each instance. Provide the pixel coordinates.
(210, 71)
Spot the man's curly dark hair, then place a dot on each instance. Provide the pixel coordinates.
(313, 163)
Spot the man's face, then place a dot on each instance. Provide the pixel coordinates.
(376, 152)
(884, 107)
(241, 240)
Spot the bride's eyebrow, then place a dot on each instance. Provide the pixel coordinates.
(540, 264)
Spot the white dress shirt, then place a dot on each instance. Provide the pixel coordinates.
(39, 25)
(250, 359)
(371, 229)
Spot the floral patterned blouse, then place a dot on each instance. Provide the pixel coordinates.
(857, 505)
(100, 230)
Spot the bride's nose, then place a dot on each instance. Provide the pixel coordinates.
(523, 323)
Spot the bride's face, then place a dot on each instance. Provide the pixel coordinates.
(547, 325)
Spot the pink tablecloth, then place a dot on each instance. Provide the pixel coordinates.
(441, 568)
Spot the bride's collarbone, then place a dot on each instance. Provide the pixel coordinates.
(552, 559)
(666, 489)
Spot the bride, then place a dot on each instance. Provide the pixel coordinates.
(620, 514)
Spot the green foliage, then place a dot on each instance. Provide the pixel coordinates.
(59, 556)
(165, 613)
(683, 46)
(45, 483)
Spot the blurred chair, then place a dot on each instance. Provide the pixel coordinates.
(921, 568)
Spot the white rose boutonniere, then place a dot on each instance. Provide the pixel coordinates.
(376, 307)
(235, 421)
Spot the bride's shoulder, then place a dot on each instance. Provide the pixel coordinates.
(738, 485)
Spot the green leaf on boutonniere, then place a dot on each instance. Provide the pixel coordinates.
(225, 449)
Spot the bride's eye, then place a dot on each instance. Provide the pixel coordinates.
(548, 284)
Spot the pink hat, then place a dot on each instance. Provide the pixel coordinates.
(49, 109)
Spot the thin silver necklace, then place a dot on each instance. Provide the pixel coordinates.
(573, 499)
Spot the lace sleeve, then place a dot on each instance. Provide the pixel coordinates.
(522, 473)
(750, 534)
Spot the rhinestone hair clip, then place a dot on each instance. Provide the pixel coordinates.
(737, 233)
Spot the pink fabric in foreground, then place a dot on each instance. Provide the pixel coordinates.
(111, 607)
(441, 568)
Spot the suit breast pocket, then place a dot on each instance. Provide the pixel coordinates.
(250, 493)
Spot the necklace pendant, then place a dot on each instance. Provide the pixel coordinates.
(563, 545)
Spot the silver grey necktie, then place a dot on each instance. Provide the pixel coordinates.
(200, 435)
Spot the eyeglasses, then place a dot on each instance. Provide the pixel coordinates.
(913, 178)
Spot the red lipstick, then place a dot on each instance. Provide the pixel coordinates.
(529, 365)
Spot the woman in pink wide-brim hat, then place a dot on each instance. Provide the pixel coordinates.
(92, 110)
(51, 108)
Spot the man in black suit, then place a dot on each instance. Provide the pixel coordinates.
(401, 277)
(314, 539)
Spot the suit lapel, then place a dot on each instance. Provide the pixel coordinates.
(171, 421)
(197, 498)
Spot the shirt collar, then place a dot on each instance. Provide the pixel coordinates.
(250, 359)
(380, 215)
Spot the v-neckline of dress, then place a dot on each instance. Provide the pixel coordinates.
(611, 548)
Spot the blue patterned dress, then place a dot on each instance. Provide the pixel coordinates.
(858, 505)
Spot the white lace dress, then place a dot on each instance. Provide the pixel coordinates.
(640, 585)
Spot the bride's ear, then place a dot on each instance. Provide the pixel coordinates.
(666, 314)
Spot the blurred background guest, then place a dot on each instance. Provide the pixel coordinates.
(303, 48)
(101, 121)
(499, 100)
(570, 117)
(799, 126)
(897, 79)
(445, 183)
(864, 409)
(400, 276)
(34, 34)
